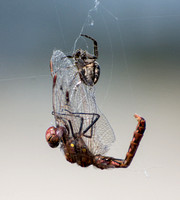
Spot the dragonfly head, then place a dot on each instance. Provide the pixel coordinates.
(54, 135)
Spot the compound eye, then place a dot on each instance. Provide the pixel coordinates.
(52, 137)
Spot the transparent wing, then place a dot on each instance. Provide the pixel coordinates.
(103, 137)
(73, 100)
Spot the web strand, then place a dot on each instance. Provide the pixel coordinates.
(88, 21)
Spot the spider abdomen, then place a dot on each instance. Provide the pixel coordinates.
(90, 73)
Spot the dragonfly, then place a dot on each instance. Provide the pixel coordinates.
(82, 131)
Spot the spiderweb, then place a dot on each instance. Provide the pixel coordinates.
(90, 24)
(97, 20)
(138, 44)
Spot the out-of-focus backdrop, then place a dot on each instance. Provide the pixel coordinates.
(139, 54)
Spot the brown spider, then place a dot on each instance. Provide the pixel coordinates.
(88, 68)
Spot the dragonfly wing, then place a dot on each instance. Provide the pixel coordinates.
(73, 100)
(103, 136)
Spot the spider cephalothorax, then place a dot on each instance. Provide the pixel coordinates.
(88, 68)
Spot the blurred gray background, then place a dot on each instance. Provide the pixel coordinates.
(139, 54)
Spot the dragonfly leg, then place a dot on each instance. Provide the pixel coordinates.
(91, 126)
(94, 119)
(105, 162)
(81, 125)
(71, 128)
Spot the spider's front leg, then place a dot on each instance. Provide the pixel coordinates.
(95, 45)
(104, 162)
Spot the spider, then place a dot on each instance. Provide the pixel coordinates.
(88, 68)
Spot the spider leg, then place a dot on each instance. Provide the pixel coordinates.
(95, 45)
(69, 56)
(105, 162)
